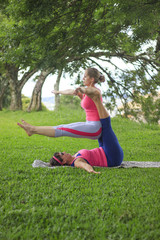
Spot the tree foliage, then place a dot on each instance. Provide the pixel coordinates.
(72, 34)
(55, 32)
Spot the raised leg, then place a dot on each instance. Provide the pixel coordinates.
(40, 130)
(95, 95)
(103, 113)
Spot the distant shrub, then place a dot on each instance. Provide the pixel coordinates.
(74, 101)
(143, 109)
(26, 102)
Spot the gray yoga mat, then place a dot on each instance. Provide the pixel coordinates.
(125, 164)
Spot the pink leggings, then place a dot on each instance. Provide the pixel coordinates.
(88, 129)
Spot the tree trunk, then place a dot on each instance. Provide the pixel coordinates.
(16, 102)
(16, 85)
(56, 87)
(4, 86)
(1, 105)
(158, 46)
(35, 103)
(12, 74)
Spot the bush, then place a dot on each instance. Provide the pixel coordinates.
(143, 109)
(26, 102)
(74, 101)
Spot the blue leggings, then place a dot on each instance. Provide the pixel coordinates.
(109, 142)
(88, 129)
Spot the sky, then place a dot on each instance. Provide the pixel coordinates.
(66, 82)
(47, 87)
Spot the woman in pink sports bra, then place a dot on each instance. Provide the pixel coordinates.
(91, 129)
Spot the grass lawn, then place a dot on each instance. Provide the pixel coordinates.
(69, 203)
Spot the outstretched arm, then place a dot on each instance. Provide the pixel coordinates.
(81, 163)
(68, 92)
(88, 91)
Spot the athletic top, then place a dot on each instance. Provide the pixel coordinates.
(95, 157)
(90, 108)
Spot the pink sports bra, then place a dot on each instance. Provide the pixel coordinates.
(95, 157)
(90, 108)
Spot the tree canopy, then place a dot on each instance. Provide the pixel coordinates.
(53, 32)
(49, 34)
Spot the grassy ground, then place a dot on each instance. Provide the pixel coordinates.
(68, 203)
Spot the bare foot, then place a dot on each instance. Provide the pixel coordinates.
(27, 127)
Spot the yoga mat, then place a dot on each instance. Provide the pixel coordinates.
(125, 164)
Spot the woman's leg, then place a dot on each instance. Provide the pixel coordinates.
(110, 144)
(91, 130)
(40, 130)
(108, 140)
(95, 95)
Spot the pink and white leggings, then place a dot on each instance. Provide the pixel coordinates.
(88, 129)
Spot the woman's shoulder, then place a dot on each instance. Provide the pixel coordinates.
(76, 154)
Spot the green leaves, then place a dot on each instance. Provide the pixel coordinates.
(75, 34)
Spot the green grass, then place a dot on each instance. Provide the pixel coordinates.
(69, 203)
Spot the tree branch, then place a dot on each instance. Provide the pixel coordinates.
(111, 79)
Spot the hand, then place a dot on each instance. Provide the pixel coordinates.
(55, 92)
(79, 89)
(76, 91)
(92, 171)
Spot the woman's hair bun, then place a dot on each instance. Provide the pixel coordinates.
(102, 78)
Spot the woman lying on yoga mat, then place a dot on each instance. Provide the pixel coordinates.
(109, 153)
(91, 129)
